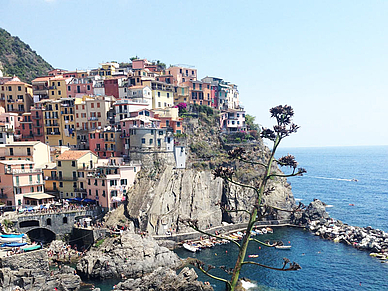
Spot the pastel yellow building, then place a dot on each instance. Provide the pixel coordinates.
(58, 87)
(69, 164)
(18, 96)
(162, 94)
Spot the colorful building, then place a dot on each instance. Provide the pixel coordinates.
(105, 142)
(108, 182)
(18, 96)
(34, 151)
(69, 164)
(22, 184)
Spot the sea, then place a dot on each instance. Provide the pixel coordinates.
(353, 181)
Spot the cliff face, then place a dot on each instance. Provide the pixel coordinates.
(173, 194)
(162, 194)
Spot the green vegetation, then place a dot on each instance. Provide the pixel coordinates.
(17, 58)
(99, 242)
(250, 121)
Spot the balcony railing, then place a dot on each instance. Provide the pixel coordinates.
(68, 179)
(10, 101)
(80, 190)
(51, 178)
(29, 183)
(22, 171)
(20, 101)
(92, 118)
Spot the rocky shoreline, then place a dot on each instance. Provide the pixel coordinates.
(317, 220)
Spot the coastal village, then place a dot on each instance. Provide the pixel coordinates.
(77, 135)
(72, 147)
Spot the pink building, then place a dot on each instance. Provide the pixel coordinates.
(109, 181)
(80, 87)
(22, 184)
(105, 143)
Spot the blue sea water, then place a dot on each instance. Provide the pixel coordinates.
(325, 264)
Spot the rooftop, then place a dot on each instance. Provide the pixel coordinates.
(72, 155)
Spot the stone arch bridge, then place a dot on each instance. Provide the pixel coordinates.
(59, 223)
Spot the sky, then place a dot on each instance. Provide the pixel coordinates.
(327, 59)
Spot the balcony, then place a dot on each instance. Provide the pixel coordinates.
(80, 190)
(110, 140)
(22, 171)
(20, 101)
(51, 178)
(54, 133)
(68, 178)
(53, 87)
(92, 118)
(29, 183)
(10, 101)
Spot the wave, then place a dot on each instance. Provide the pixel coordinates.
(336, 179)
(247, 285)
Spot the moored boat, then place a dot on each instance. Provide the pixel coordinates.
(190, 248)
(283, 247)
(13, 245)
(31, 248)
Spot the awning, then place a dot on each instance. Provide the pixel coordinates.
(38, 196)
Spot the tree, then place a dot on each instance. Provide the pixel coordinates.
(257, 210)
(250, 121)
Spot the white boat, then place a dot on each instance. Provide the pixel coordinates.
(190, 248)
(264, 231)
(283, 247)
(11, 239)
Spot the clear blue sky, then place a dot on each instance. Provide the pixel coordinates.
(328, 59)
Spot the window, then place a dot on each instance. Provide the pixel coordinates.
(151, 141)
(73, 163)
(102, 182)
(96, 193)
(143, 140)
(59, 164)
(64, 220)
(160, 132)
(11, 151)
(123, 182)
(60, 184)
(158, 94)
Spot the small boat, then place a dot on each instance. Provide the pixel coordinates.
(269, 230)
(264, 230)
(13, 245)
(31, 248)
(17, 239)
(351, 204)
(10, 235)
(190, 248)
(253, 256)
(283, 247)
(258, 231)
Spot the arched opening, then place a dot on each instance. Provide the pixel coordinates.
(48, 221)
(28, 223)
(64, 220)
(42, 235)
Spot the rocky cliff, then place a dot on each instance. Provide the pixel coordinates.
(30, 271)
(162, 194)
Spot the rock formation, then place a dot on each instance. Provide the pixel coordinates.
(163, 279)
(30, 271)
(129, 255)
(316, 219)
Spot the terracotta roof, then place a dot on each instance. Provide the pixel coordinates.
(15, 83)
(41, 79)
(72, 155)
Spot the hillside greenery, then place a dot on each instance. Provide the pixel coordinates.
(17, 58)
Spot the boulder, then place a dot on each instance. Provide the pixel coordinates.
(163, 279)
(129, 255)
